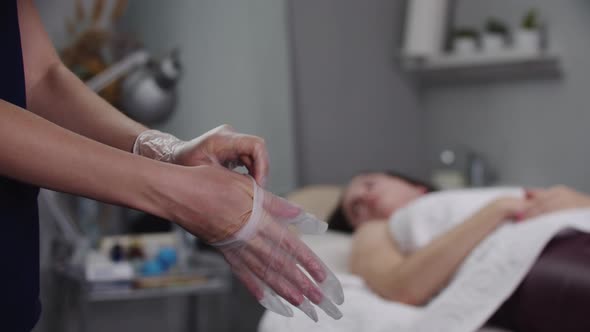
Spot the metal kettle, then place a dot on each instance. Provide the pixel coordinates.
(148, 92)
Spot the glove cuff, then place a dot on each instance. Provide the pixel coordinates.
(156, 145)
(250, 227)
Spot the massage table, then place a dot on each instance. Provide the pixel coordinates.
(364, 311)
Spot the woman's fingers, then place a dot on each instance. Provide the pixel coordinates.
(330, 308)
(278, 208)
(245, 276)
(265, 296)
(287, 213)
(247, 162)
(261, 163)
(545, 202)
(282, 272)
(255, 148)
(270, 260)
(271, 301)
(289, 243)
(331, 286)
(277, 281)
(284, 264)
(307, 223)
(531, 193)
(286, 241)
(538, 208)
(262, 269)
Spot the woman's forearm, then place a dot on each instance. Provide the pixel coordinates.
(39, 152)
(60, 97)
(424, 273)
(56, 94)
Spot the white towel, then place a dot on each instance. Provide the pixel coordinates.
(363, 312)
(419, 223)
(493, 270)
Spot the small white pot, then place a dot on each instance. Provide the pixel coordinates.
(493, 43)
(464, 46)
(527, 41)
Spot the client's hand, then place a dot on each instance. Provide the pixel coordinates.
(250, 227)
(510, 207)
(554, 199)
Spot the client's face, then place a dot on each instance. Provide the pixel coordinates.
(376, 196)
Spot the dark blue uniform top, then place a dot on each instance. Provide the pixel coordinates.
(19, 225)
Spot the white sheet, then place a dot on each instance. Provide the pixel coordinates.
(494, 270)
(362, 310)
(487, 277)
(434, 214)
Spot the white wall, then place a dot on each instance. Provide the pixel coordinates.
(236, 69)
(355, 110)
(535, 132)
(55, 12)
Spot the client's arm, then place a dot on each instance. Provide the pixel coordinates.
(416, 278)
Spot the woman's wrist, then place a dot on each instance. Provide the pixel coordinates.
(168, 188)
(508, 208)
(583, 200)
(501, 207)
(157, 145)
(155, 184)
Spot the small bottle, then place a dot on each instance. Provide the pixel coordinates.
(116, 253)
(135, 251)
(476, 171)
(448, 175)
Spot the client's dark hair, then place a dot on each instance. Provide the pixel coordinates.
(338, 220)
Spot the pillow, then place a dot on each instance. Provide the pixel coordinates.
(333, 248)
(318, 200)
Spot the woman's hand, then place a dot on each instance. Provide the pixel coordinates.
(221, 146)
(226, 147)
(209, 202)
(543, 201)
(509, 207)
(250, 227)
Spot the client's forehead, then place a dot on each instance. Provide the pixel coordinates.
(366, 177)
(355, 184)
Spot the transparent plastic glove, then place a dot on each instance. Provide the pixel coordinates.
(221, 146)
(270, 260)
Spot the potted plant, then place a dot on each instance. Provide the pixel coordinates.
(465, 40)
(528, 36)
(495, 36)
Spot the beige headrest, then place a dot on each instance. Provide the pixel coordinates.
(319, 200)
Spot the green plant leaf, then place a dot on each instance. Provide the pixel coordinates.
(530, 20)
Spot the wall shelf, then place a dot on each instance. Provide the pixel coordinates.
(507, 65)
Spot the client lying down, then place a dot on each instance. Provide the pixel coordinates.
(410, 241)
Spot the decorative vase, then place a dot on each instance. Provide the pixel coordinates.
(464, 46)
(527, 40)
(425, 27)
(493, 43)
